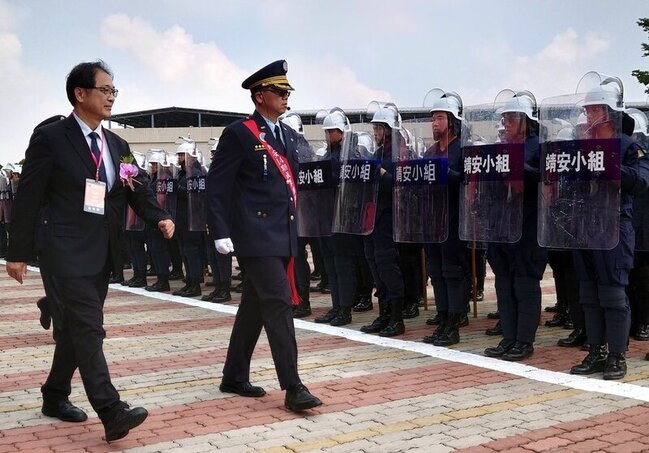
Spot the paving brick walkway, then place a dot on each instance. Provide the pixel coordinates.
(380, 395)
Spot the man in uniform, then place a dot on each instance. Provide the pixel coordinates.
(70, 212)
(603, 274)
(252, 195)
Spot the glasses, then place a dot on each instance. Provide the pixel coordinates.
(107, 91)
(278, 92)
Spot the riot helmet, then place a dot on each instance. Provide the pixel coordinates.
(294, 121)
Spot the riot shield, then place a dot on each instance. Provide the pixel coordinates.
(166, 187)
(132, 221)
(420, 193)
(491, 195)
(316, 187)
(358, 187)
(196, 192)
(5, 200)
(579, 191)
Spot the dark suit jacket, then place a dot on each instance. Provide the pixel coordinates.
(255, 211)
(49, 220)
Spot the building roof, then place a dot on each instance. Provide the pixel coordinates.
(176, 117)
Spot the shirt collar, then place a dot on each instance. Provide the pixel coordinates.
(85, 129)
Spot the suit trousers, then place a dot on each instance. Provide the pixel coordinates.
(76, 304)
(265, 302)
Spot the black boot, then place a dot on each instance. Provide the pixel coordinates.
(503, 347)
(193, 290)
(381, 322)
(176, 274)
(519, 351)
(433, 320)
(641, 332)
(222, 295)
(160, 285)
(179, 292)
(442, 317)
(558, 320)
(303, 310)
(395, 326)
(495, 331)
(576, 338)
(594, 362)
(343, 317)
(451, 333)
(363, 303)
(615, 367)
(410, 311)
(137, 282)
(327, 317)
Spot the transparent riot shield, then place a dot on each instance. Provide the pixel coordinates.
(5, 200)
(172, 185)
(196, 192)
(316, 185)
(358, 187)
(132, 221)
(420, 210)
(491, 195)
(579, 191)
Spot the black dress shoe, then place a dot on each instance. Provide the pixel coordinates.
(552, 308)
(501, 349)
(178, 292)
(364, 303)
(493, 315)
(377, 325)
(118, 426)
(519, 351)
(315, 275)
(641, 332)
(430, 339)
(45, 318)
(208, 297)
(594, 362)
(615, 367)
(64, 410)
(137, 282)
(325, 289)
(299, 399)
(393, 329)
(569, 325)
(158, 286)
(302, 311)
(237, 277)
(238, 288)
(211, 284)
(241, 388)
(464, 320)
(576, 338)
(495, 331)
(327, 317)
(410, 311)
(558, 320)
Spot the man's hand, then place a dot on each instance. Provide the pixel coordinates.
(224, 246)
(167, 228)
(17, 271)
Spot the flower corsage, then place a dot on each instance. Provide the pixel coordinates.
(128, 171)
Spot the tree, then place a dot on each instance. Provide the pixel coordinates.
(643, 76)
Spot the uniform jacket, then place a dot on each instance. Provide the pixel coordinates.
(49, 220)
(253, 209)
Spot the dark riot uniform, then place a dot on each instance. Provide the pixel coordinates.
(603, 274)
(339, 256)
(251, 203)
(448, 261)
(519, 267)
(158, 247)
(382, 254)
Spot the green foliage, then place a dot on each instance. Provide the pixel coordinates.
(643, 76)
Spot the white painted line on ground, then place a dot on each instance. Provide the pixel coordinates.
(584, 383)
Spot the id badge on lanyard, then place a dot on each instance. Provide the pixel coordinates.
(94, 199)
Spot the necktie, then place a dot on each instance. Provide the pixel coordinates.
(95, 151)
(278, 137)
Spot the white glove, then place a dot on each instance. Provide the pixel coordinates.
(224, 246)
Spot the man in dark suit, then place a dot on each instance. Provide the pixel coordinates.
(70, 213)
(252, 196)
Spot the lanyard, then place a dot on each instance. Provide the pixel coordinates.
(98, 161)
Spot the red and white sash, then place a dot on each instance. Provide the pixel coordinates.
(284, 168)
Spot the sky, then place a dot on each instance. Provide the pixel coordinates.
(196, 53)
